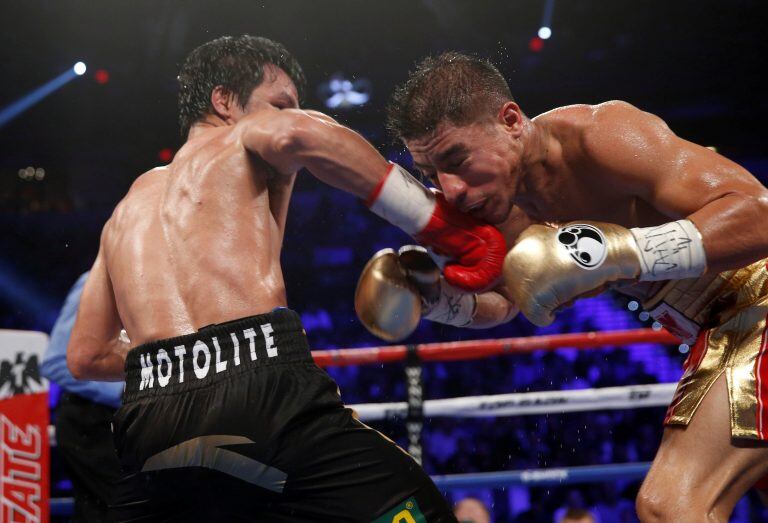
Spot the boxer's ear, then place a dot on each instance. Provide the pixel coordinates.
(512, 118)
(225, 104)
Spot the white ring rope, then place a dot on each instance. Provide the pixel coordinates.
(524, 403)
(520, 403)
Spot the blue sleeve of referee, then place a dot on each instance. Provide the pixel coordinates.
(54, 365)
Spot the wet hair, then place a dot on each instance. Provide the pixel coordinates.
(237, 64)
(452, 87)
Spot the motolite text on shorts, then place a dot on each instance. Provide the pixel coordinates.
(204, 357)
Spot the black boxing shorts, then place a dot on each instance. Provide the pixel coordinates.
(236, 423)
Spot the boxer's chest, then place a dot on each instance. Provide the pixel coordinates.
(568, 194)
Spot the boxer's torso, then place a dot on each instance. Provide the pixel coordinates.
(198, 242)
(571, 187)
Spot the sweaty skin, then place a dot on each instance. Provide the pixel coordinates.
(610, 162)
(198, 242)
(615, 163)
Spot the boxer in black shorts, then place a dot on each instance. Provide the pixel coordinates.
(238, 422)
(234, 420)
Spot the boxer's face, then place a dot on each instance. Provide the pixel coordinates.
(477, 166)
(276, 89)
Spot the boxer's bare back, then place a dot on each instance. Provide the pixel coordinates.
(198, 242)
(193, 243)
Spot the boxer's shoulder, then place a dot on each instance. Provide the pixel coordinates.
(264, 120)
(567, 116)
(618, 133)
(617, 119)
(570, 124)
(145, 184)
(587, 117)
(149, 179)
(140, 195)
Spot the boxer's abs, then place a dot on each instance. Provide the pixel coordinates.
(195, 244)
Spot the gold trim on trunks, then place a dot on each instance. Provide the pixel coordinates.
(711, 300)
(732, 346)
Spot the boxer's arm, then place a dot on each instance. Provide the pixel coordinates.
(643, 157)
(95, 350)
(493, 309)
(483, 310)
(291, 139)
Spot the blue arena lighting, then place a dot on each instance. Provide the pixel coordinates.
(545, 30)
(79, 68)
(22, 295)
(11, 111)
(341, 93)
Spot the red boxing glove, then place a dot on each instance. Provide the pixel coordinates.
(476, 249)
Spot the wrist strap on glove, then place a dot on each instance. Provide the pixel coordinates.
(440, 301)
(672, 251)
(402, 200)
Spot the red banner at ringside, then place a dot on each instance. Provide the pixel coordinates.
(24, 448)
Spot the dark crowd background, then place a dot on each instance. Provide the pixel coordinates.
(699, 65)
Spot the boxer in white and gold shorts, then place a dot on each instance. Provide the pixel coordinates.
(592, 197)
(724, 319)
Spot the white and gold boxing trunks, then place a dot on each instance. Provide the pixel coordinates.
(723, 317)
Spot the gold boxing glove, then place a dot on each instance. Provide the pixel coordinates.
(549, 267)
(386, 302)
(395, 290)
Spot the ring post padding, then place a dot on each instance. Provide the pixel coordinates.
(414, 420)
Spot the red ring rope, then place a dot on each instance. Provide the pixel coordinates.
(475, 349)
